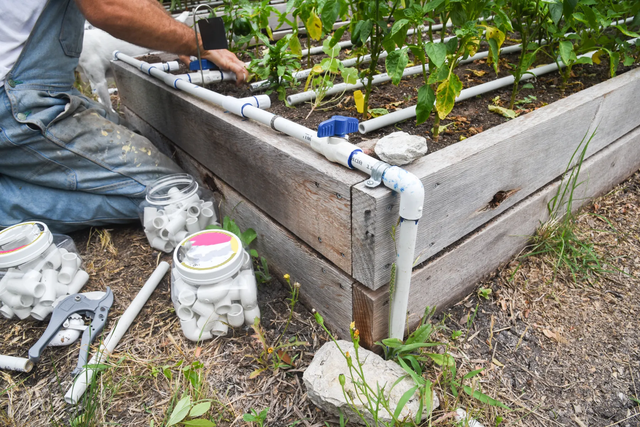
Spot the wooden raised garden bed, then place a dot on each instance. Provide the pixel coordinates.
(318, 222)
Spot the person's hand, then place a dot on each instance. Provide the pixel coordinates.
(228, 60)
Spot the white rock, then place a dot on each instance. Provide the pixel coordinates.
(323, 385)
(400, 148)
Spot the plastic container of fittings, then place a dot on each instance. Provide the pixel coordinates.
(174, 208)
(213, 286)
(36, 269)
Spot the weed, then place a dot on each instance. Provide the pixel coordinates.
(255, 417)
(484, 293)
(557, 238)
(275, 355)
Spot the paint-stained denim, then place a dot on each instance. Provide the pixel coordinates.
(64, 159)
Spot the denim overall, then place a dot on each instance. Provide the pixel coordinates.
(64, 160)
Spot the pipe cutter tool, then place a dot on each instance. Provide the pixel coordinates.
(94, 305)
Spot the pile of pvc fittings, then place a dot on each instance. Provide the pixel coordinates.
(36, 268)
(175, 207)
(213, 285)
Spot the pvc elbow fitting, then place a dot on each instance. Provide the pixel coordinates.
(206, 217)
(410, 188)
(192, 225)
(192, 332)
(220, 327)
(149, 214)
(204, 310)
(6, 311)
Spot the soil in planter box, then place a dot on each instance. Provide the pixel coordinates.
(468, 117)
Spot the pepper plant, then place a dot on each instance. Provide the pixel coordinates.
(277, 65)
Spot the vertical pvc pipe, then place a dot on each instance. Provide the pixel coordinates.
(83, 379)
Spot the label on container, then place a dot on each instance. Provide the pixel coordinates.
(209, 250)
(19, 236)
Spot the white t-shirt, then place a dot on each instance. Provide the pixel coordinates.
(18, 19)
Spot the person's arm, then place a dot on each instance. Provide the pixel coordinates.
(146, 23)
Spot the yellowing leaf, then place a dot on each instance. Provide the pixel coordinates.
(359, 100)
(596, 56)
(509, 114)
(314, 26)
(497, 362)
(477, 73)
(317, 69)
(446, 95)
(495, 34)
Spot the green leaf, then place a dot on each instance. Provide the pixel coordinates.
(446, 95)
(331, 51)
(398, 26)
(509, 114)
(566, 49)
(527, 86)
(199, 409)
(437, 53)
(494, 51)
(442, 359)
(337, 35)
(248, 236)
(472, 374)
(555, 9)
(350, 75)
(623, 29)
(254, 253)
(199, 423)
(432, 5)
(294, 44)
(426, 99)
(584, 60)
(452, 46)
(180, 411)
(377, 112)
(568, 6)
(395, 63)
(628, 61)
(484, 398)
(329, 14)
(392, 342)
(403, 401)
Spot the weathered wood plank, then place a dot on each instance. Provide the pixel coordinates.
(450, 276)
(461, 181)
(324, 286)
(297, 187)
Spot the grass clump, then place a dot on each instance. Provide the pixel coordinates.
(557, 239)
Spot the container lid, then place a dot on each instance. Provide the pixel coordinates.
(23, 242)
(171, 189)
(208, 257)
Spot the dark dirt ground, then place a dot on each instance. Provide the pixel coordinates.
(556, 351)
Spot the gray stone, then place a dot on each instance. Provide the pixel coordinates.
(323, 385)
(400, 148)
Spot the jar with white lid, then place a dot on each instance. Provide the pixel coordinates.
(213, 285)
(36, 268)
(175, 206)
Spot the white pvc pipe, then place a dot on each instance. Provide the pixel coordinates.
(235, 316)
(297, 98)
(248, 289)
(79, 386)
(407, 113)
(19, 364)
(79, 280)
(334, 149)
(210, 76)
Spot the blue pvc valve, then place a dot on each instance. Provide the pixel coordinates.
(337, 126)
(206, 65)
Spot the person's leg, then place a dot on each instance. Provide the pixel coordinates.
(81, 151)
(62, 210)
